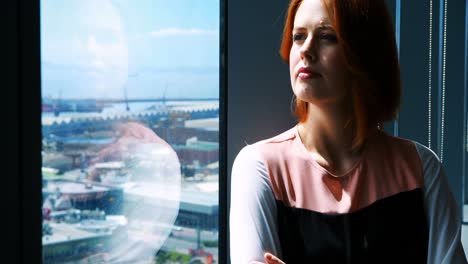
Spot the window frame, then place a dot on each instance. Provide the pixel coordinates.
(29, 88)
(27, 133)
(11, 79)
(465, 118)
(413, 117)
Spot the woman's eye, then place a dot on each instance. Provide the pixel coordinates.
(299, 37)
(328, 37)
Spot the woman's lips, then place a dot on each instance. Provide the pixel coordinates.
(308, 75)
(305, 73)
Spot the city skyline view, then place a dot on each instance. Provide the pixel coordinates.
(130, 131)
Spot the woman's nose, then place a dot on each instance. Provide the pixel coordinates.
(308, 49)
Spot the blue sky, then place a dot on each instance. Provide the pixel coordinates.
(99, 48)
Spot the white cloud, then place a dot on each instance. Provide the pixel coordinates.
(106, 55)
(94, 39)
(169, 32)
(103, 49)
(101, 14)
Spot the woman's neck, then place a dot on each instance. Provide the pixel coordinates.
(327, 138)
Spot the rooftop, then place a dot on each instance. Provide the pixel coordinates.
(211, 124)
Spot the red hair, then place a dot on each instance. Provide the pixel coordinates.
(365, 33)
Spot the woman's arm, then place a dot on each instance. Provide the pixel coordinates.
(442, 214)
(253, 221)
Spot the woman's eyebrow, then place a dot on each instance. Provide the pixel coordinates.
(325, 23)
(299, 28)
(317, 26)
(322, 23)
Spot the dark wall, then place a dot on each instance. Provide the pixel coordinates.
(258, 86)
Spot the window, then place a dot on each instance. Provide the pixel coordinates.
(130, 131)
(433, 58)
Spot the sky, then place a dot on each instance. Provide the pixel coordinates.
(144, 48)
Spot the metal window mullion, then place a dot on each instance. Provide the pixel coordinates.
(465, 116)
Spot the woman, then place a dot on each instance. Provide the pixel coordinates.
(336, 188)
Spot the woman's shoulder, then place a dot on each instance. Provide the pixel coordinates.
(415, 152)
(271, 147)
(424, 152)
(264, 150)
(283, 137)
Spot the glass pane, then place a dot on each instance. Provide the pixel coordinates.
(130, 128)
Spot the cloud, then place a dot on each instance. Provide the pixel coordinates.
(102, 56)
(102, 15)
(170, 32)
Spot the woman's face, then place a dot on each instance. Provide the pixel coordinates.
(318, 72)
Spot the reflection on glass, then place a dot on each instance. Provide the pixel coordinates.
(130, 128)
